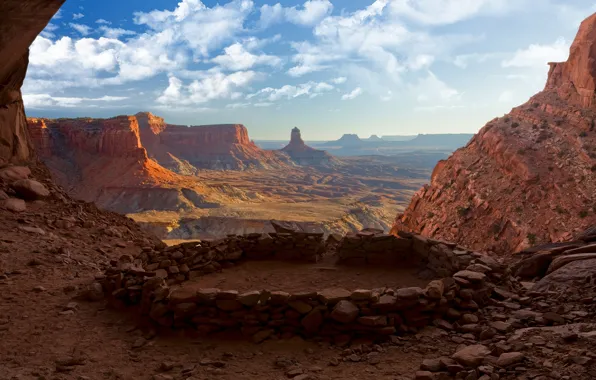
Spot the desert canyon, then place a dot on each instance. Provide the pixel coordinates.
(285, 267)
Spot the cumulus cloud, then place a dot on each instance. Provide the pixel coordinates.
(115, 33)
(47, 101)
(81, 28)
(353, 94)
(339, 80)
(439, 12)
(214, 85)
(77, 16)
(309, 14)
(199, 27)
(538, 56)
(310, 89)
(236, 57)
(102, 21)
(432, 89)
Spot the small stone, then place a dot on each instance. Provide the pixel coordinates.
(469, 319)
(71, 306)
(471, 356)
(13, 204)
(553, 318)
(334, 362)
(432, 365)
(29, 189)
(424, 375)
(345, 312)
(139, 342)
(262, 335)
(39, 289)
(510, 358)
(166, 367)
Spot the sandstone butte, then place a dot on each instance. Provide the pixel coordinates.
(303, 154)
(528, 177)
(220, 147)
(102, 160)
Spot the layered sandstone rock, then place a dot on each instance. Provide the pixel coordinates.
(220, 147)
(525, 178)
(20, 22)
(102, 160)
(302, 154)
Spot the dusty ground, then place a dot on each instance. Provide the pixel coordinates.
(366, 193)
(298, 277)
(44, 322)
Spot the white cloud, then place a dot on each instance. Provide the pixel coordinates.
(237, 105)
(197, 26)
(49, 30)
(463, 60)
(432, 89)
(339, 80)
(214, 85)
(263, 104)
(311, 12)
(77, 16)
(353, 94)
(47, 101)
(439, 12)
(310, 89)
(115, 33)
(236, 57)
(81, 28)
(102, 21)
(506, 97)
(422, 61)
(538, 56)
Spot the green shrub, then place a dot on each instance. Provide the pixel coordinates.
(532, 238)
(583, 214)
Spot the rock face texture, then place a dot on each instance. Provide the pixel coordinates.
(102, 160)
(20, 22)
(528, 177)
(220, 147)
(302, 154)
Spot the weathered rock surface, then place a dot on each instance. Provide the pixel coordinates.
(102, 160)
(525, 178)
(302, 154)
(185, 149)
(20, 23)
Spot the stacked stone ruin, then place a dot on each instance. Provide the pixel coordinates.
(152, 282)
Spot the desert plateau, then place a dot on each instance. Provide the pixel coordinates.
(187, 192)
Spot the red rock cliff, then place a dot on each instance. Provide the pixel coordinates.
(184, 149)
(303, 154)
(525, 178)
(20, 22)
(102, 160)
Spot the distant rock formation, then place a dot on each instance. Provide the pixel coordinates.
(220, 147)
(20, 22)
(374, 138)
(347, 140)
(528, 177)
(302, 154)
(102, 160)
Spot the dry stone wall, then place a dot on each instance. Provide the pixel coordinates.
(154, 282)
(373, 247)
(190, 260)
(336, 314)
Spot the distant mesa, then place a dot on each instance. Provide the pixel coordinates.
(374, 138)
(303, 154)
(103, 161)
(218, 147)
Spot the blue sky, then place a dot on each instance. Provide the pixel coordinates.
(385, 67)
